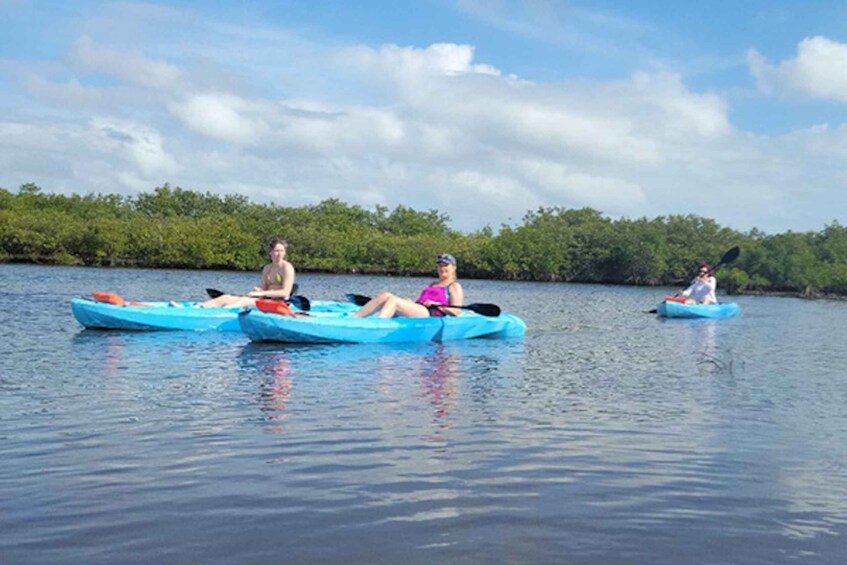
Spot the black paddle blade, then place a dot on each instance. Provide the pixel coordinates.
(357, 299)
(491, 310)
(730, 256)
(300, 302)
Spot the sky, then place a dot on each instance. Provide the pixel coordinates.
(480, 109)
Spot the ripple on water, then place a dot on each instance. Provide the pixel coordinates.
(605, 436)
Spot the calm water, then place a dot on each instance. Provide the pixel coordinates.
(605, 436)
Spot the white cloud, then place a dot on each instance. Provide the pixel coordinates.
(452, 130)
(447, 59)
(272, 116)
(222, 116)
(67, 93)
(585, 189)
(138, 145)
(677, 110)
(132, 66)
(493, 189)
(327, 132)
(819, 71)
(33, 137)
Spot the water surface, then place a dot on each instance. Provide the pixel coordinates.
(604, 436)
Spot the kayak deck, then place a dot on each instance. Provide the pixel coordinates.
(163, 316)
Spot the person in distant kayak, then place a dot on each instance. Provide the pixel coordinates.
(702, 289)
(277, 281)
(435, 299)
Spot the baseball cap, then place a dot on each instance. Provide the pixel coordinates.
(445, 258)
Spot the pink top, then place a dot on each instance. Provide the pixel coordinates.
(437, 294)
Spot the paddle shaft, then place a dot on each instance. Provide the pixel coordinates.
(300, 302)
(214, 293)
(491, 310)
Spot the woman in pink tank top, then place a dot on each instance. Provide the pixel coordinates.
(435, 299)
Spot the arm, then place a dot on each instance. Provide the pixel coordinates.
(457, 297)
(712, 284)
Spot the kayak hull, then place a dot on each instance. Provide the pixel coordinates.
(340, 328)
(671, 309)
(162, 316)
(153, 316)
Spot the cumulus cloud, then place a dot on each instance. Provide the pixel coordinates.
(448, 59)
(355, 132)
(818, 71)
(671, 106)
(222, 116)
(424, 126)
(452, 130)
(418, 75)
(140, 146)
(131, 66)
(469, 103)
(584, 189)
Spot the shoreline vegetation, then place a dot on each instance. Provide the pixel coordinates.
(177, 228)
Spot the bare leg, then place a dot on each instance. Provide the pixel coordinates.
(373, 305)
(228, 301)
(389, 305)
(404, 308)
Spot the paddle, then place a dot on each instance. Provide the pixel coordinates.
(728, 257)
(214, 293)
(300, 302)
(491, 310)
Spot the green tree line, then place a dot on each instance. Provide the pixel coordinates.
(177, 228)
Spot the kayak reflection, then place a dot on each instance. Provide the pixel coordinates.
(134, 353)
(413, 390)
(434, 372)
(701, 339)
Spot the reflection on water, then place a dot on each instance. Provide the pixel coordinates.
(275, 391)
(390, 371)
(435, 370)
(605, 436)
(439, 373)
(698, 337)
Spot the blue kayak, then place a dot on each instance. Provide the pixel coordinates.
(343, 328)
(671, 309)
(158, 316)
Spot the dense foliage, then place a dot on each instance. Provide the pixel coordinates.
(172, 227)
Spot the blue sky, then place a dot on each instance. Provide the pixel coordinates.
(484, 110)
